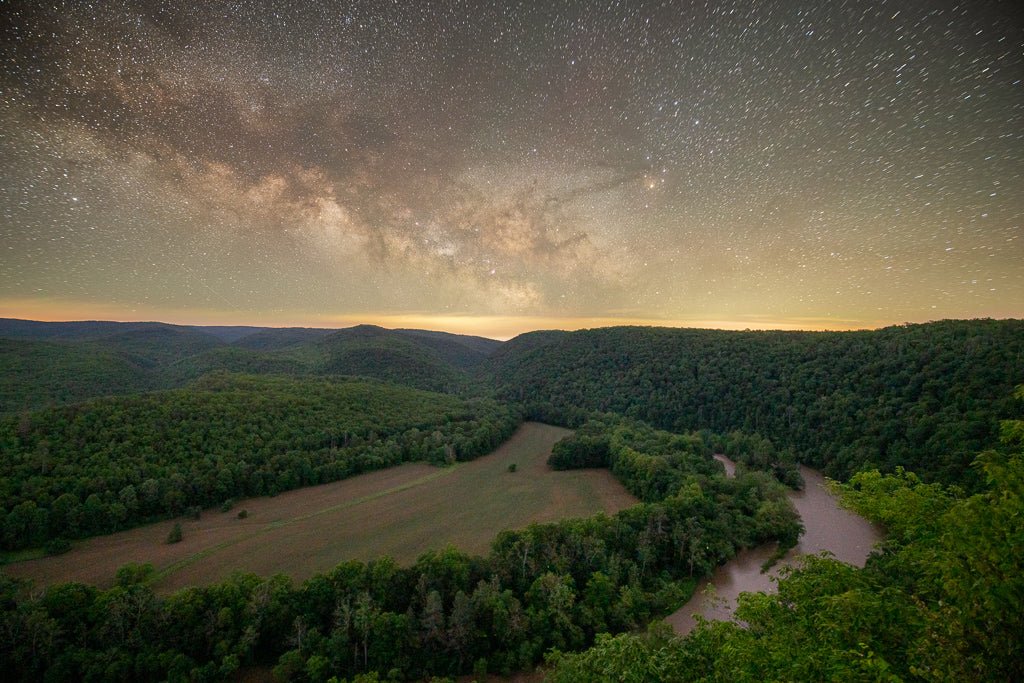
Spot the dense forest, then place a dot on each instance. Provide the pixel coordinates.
(924, 397)
(106, 425)
(547, 586)
(49, 364)
(942, 601)
(111, 463)
(38, 373)
(598, 443)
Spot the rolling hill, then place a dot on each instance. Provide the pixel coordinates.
(38, 373)
(927, 397)
(54, 363)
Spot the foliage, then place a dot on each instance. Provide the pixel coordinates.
(548, 585)
(44, 364)
(925, 397)
(755, 452)
(943, 600)
(57, 546)
(37, 373)
(587, 447)
(112, 463)
(608, 440)
(379, 353)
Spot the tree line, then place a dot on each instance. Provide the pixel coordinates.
(943, 600)
(604, 441)
(547, 586)
(112, 463)
(924, 397)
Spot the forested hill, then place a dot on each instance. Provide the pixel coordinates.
(82, 330)
(426, 360)
(926, 397)
(45, 364)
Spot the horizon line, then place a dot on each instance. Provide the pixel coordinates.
(568, 323)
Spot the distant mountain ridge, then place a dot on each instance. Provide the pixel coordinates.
(248, 336)
(43, 363)
(273, 338)
(82, 330)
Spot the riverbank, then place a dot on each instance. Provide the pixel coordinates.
(828, 527)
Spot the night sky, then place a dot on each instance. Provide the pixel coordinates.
(498, 167)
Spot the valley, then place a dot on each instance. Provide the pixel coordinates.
(407, 504)
(401, 512)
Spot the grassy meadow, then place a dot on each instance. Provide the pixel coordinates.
(402, 512)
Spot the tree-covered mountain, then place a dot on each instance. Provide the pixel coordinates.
(40, 373)
(160, 344)
(920, 396)
(925, 397)
(233, 359)
(45, 364)
(424, 361)
(462, 350)
(84, 330)
(273, 339)
(147, 336)
(940, 601)
(54, 363)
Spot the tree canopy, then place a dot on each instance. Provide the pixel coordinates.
(924, 397)
(110, 463)
(548, 585)
(943, 600)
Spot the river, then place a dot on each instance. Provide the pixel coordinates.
(846, 535)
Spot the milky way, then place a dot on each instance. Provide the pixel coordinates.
(500, 166)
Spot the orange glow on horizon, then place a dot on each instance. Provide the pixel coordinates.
(493, 326)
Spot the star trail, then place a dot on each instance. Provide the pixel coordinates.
(498, 167)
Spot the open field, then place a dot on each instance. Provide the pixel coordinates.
(402, 512)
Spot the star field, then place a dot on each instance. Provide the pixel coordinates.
(496, 167)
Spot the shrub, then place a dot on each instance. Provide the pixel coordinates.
(480, 665)
(57, 546)
(132, 574)
(176, 535)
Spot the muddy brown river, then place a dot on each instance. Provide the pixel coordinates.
(847, 536)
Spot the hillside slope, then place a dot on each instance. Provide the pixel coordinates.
(45, 363)
(38, 373)
(425, 360)
(926, 397)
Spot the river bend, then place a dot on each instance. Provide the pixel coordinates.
(828, 526)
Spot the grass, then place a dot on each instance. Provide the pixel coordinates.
(402, 512)
(9, 556)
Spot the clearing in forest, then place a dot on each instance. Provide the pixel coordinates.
(402, 512)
